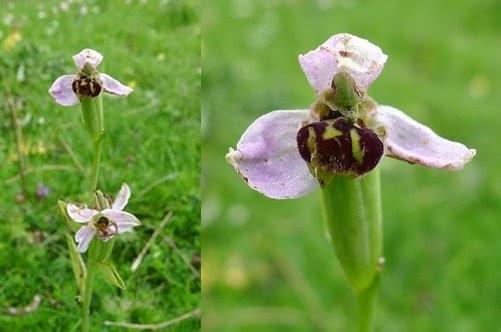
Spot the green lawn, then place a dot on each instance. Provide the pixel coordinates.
(152, 142)
(267, 265)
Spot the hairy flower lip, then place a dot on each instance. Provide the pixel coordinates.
(62, 90)
(119, 220)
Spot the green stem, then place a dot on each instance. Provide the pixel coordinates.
(96, 161)
(87, 295)
(366, 302)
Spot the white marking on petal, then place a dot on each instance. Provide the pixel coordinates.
(83, 237)
(113, 86)
(80, 214)
(125, 221)
(89, 56)
(408, 140)
(122, 198)
(267, 156)
(62, 91)
(363, 60)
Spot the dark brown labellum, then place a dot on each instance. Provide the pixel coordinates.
(337, 147)
(105, 228)
(85, 86)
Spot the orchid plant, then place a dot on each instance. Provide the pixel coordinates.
(336, 146)
(106, 218)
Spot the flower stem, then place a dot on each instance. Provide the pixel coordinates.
(366, 302)
(352, 208)
(96, 161)
(87, 295)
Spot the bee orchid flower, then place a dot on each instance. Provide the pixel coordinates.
(104, 224)
(88, 82)
(288, 153)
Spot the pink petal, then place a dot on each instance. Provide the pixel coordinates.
(267, 156)
(408, 140)
(122, 198)
(83, 237)
(125, 221)
(113, 86)
(62, 91)
(78, 214)
(89, 56)
(363, 60)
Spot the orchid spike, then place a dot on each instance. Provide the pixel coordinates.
(88, 82)
(104, 224)
(286, 154)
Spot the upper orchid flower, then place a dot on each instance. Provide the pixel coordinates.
(106, 223)
(68, 89)
(285, 154)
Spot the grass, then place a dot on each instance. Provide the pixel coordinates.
(152, 142)
(268, 265)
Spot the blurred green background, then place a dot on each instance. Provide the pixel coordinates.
(267, 265)
(152, 142)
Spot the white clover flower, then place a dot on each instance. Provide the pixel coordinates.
(104, 224)
(286, 153)
(67, 89)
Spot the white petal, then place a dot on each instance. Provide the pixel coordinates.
(343, 52)
(124, 220)
(122, 198)
(407, 139)
(89, 56)
(113, 86)
(62, 91)
(267, 156)
(79, 214)
(83, 237)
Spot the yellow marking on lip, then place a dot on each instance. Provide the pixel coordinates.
(311, 142)
(331, 132)
(356, 151)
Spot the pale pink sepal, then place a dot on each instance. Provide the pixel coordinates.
(113, 86)
(84, 236)
(267, 156)
(122, 198)
(125, 221)
(87, 55)
(360, 58)
(62, 91)
(80, 214)
(408, 140)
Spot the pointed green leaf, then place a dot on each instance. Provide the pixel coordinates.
(111, 275)
(77, 263)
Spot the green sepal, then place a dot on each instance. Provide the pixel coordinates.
(110, 274)
(352, 208)
(77, 263)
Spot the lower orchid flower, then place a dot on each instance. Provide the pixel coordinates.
(104, 224)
